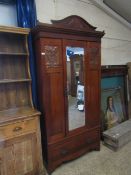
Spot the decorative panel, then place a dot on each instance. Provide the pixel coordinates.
(51, 53)
(93, 53)
(51, 56)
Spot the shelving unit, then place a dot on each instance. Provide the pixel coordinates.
(20, 142)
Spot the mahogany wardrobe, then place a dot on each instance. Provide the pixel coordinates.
(68, 56)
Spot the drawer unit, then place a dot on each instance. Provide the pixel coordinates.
(73, 147)
(17, 128)
(23, 140)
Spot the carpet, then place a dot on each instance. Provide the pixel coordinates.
(103, 162)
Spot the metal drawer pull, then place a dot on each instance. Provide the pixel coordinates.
(18, 128)
(89, 141)
(42, 53)
(64, 152)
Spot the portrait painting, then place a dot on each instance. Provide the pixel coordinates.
(112, 108)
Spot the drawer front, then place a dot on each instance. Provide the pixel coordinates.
(18, 128)
(74, 147)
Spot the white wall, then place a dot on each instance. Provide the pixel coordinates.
(116, 44)
(8, 16)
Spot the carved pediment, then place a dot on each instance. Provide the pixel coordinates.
(74, 22)
(71, 25)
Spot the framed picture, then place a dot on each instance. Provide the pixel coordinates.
(112, 108)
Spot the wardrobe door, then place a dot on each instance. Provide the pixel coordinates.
(93, 76)
(50, 70)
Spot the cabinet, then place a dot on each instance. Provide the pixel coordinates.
(71, 125)
(20, 141)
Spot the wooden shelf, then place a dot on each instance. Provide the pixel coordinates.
(14, 80)
(11, 53)
(17, 113)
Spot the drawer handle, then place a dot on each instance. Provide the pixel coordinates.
(18, 128)
(64, 152)
(42, 53)
(89, 141)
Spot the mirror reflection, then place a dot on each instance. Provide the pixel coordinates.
(75, 87)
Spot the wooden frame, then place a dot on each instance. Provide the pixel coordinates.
(108, 71)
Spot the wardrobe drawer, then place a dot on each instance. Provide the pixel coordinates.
(74, 147)
(17, 128)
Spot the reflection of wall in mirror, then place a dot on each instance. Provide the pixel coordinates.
(76, 62)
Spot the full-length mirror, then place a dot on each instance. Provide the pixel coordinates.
(75, 87)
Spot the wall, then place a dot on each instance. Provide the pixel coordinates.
(8, 16)
(116, 44)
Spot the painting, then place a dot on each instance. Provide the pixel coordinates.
(112, 108)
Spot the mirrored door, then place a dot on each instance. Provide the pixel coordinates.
(75, 87)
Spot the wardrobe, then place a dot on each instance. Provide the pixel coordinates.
(71, 121)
